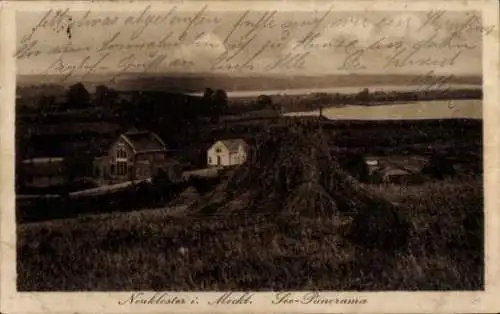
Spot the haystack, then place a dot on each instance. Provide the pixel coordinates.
(292, 174)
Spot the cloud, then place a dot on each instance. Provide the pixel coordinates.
(204, 50)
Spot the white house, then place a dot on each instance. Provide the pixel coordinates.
(227, 153)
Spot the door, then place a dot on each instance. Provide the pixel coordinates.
(218, 160)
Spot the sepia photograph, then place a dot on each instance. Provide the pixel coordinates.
(185, 149)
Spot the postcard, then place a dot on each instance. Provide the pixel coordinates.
(250, 156)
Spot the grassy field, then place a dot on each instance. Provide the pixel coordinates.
(141, 250)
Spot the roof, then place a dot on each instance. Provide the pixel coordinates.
(166, 163)
(43, 160)
(44, 169)
(371, 162)
(397, 172)
(143, 141)
(233, 145)
(406, 163)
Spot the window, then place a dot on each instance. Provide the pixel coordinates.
(121, 153)
(121, 168)
(218, 150)
(112, 169)
(209, 160)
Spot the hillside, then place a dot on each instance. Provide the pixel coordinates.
(291, 219)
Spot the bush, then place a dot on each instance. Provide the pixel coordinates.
(439, 167)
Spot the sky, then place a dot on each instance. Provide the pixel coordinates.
(208, 41)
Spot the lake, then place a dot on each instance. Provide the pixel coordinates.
(439, 109)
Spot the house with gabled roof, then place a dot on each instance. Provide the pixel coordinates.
(228, 152)
(135, 155)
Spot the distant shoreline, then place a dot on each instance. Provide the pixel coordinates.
(340, 90)
(234, 85)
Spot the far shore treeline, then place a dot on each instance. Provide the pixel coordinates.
(56, 99)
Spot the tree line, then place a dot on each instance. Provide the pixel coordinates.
(214, 103)
(133, 104)
(365, 97)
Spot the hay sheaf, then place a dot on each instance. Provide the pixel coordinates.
(292, 174)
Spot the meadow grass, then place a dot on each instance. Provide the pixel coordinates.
(140, 250)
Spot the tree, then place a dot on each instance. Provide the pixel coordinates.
(207, 102)
(47, 103)
(105, 96)
(77, 96)
(439, 167)
(162, 184)
(161, 178)
(363, 96)
(355, 164)
(214, 103)
(264, 101)
(78, 164)
(220, 101)
(320, 99)
(207, 94)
